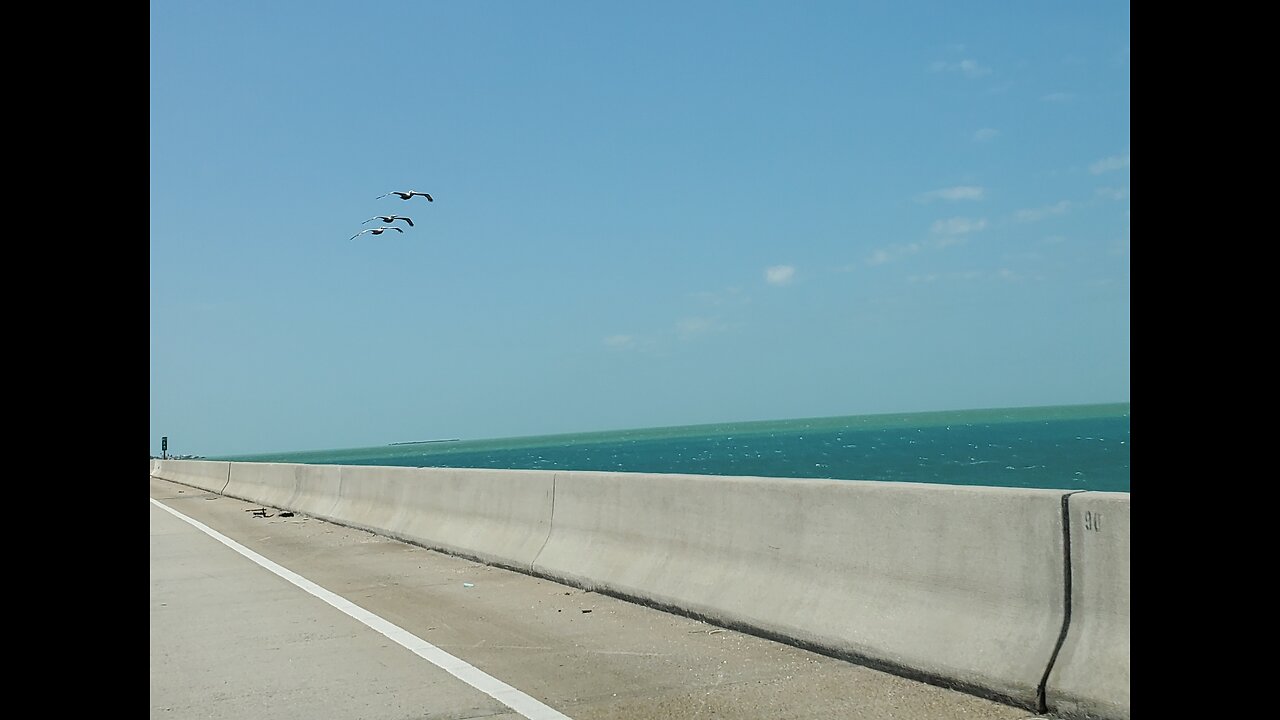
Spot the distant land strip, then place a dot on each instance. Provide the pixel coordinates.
(423, 442)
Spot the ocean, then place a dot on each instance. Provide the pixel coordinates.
(1073, 447)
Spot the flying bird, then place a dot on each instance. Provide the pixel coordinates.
(390, 218)
(375, 231)
(406, 194)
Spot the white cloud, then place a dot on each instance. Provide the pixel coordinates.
(1113, 193)
(959, 192)
(986, 135)
(697, 326)
(1003, 274)
(731, 296)
(694, 326)
(779, 274)
(1058, 97)
(972, 69)
(620, 341)
(969, 68)
(1034, 214)
(958, 226)
(881, 256)
(930, 278)
(893, 252)
(1115, 162)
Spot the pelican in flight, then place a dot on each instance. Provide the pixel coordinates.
(375, 231)
(406, 194)
(390, 219)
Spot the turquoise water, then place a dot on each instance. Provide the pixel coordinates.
(1076, 447)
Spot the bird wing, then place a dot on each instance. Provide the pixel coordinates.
(353, 237)
(395, 228)
(375, 217)
(428, 197)
(401, 217)
(384, 195)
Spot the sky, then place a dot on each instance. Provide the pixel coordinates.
(645, 215)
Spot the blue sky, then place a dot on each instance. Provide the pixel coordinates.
(646, 214)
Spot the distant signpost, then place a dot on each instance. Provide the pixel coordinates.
(164, 447)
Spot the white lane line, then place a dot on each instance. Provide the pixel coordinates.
(464, 671)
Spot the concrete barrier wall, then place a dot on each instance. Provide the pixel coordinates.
(310, 489)
(960, 585)
(1091, 675)
(374, 498)
(501, 517)
(266, 483)
(317, 489)
(204, 474)
(957, 583)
